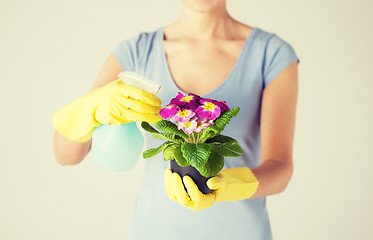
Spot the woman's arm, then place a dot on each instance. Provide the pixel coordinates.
(277, 132)
(68, 152)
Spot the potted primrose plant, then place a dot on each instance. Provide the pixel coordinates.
(194, 144)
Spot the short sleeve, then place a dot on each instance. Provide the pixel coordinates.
(279, 55)
(126, 53)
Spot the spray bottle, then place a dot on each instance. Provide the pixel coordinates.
(118, 148)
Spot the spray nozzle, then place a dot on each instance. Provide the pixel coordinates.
(138, 81)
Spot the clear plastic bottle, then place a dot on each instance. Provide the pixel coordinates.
(118, 148)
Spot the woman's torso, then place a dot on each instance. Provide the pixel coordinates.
(247, 71)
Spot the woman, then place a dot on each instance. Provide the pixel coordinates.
(208, 53)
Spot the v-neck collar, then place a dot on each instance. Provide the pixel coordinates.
(227, 79)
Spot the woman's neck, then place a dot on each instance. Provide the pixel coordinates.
(197, 25)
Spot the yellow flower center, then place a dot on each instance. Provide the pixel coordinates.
(187, 124)
(186, 99)
(209, 106)
(183, 113)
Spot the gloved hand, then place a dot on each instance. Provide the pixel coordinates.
(228, 185)
(194, 199)
(115, 103)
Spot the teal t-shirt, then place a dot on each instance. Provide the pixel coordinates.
(155, 216)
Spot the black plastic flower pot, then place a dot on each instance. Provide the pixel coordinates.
(190, 171)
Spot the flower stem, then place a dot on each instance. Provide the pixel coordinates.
(194, 137)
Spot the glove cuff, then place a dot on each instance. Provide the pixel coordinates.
(241, 183)
(75, 121)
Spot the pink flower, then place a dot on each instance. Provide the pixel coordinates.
(222, 104)
(208, 109)
(186, 102)
(169, 111)
(182, 115)
(202, 124)
(188, 127)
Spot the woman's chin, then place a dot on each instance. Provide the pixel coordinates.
(204, 6)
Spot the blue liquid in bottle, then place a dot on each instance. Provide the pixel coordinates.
(118, 148)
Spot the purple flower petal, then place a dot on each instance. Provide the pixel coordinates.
(223, 105)
(195, 96)
(208, 110)
(187, 102)
(215, 113)
(191, 105)
(204, 100)
(202, 113)
(180, 95)
(169, 110)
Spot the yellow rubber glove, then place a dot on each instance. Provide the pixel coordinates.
(194, 199)
(115, 103)
(233, 184)
(228, 185)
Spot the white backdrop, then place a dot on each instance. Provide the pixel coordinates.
(50, 54)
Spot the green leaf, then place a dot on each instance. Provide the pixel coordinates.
(170, 127)
(225, 117)
(172, 152)
(220, 124)
(164, 136)
(213, 129)
(169, 152)
(228, 150)
(209, 132)
(196, 154)
(179, 158)
(154, 151)
(167, 136)
(147, 127)
(222, 139)
(214, 164)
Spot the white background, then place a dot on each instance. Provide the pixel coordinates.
(50, 54)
